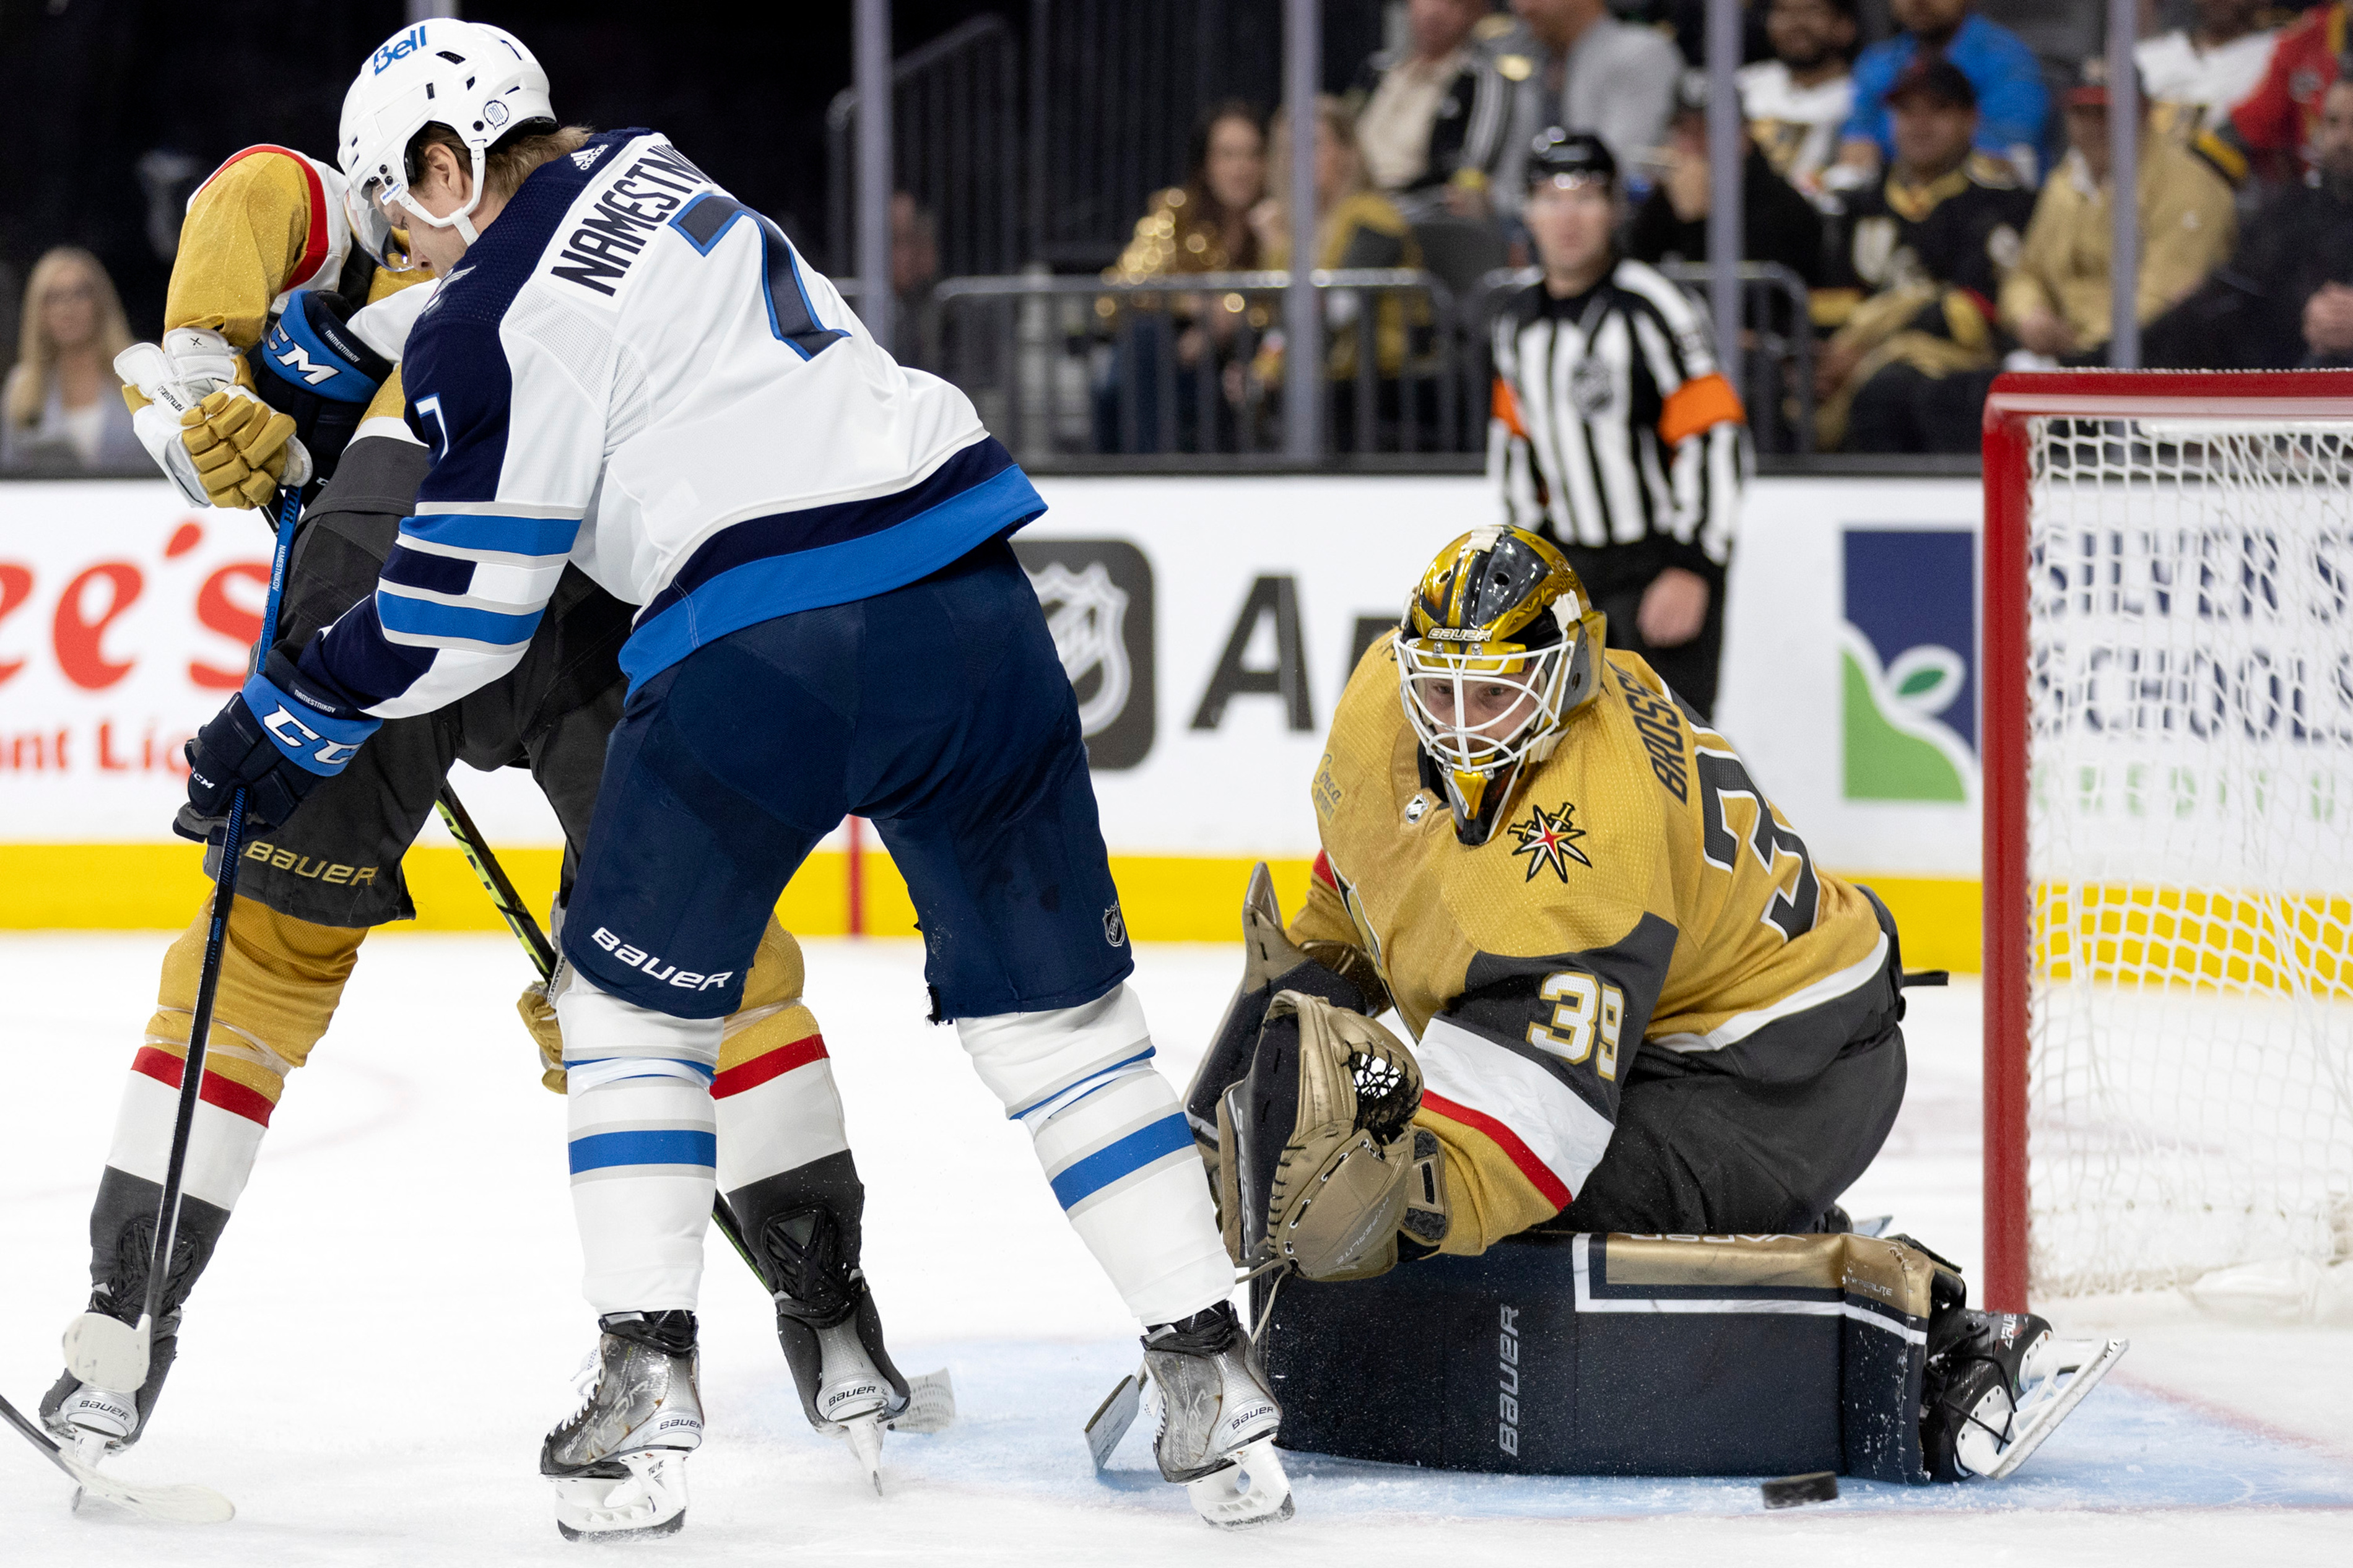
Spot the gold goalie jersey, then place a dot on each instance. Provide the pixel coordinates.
(1642, 895)
(266, 224)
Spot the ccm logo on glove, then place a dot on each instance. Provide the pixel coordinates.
(273, 742)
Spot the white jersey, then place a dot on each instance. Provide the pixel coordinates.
(1797, 127)
(2192, 90)
(633, 371)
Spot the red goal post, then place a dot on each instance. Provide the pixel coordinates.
(2022, 409)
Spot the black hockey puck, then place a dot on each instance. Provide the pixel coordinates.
(1796, 1491)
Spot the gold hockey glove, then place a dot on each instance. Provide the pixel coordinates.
(539, 1017)
(1321, 1168)
(239, 446)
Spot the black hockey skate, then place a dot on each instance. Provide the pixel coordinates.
(831, 1333)
(1996, 1385)
(92, 1422)
(1218, 1420)
(618, 1463)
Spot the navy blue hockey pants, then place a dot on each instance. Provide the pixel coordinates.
(940, 711)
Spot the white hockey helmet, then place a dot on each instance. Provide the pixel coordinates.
(476, 79)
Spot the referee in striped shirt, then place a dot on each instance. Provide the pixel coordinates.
(1613, 434)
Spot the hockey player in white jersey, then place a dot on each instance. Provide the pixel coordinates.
(626, 369)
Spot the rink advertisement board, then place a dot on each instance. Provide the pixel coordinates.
(1207, 626)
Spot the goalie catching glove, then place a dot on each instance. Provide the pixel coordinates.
(1320, 1165)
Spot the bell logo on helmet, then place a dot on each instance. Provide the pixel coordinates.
(399, 49)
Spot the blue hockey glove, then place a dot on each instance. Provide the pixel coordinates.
(274, 745)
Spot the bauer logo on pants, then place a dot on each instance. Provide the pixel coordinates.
(1097, 595)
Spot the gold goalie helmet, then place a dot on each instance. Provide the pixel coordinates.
(1499, 645)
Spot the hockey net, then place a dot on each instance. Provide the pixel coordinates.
(2168, 631)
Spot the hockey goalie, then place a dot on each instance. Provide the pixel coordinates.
(1587, 1222)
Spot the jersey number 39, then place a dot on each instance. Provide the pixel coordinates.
(1585, 1009)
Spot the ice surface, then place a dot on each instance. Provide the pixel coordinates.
(393, 1318)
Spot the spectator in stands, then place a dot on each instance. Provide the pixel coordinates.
(1925, 254)
(1201, 226)
(1778, 224)
(2273, 131)
(1799, 102)
(2286, 298)
(2196, 76)
(1355, 226)
(915, 271)
(2056, 301)
(2012, 104)
(1430, 117)
(62, 409)
(1574, 65)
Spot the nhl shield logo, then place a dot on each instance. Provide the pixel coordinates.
(1087, 612)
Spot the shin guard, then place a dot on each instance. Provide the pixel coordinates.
(644, 1146)
(1115, 1145)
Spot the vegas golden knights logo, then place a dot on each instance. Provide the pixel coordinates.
(1549, 840)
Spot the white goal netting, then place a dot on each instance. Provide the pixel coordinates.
(2189, 849)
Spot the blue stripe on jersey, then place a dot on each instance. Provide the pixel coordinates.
(368, 669)
(1123, 1158)
(786, 575)
(424, 618)
(668, 1146)
(506, 535)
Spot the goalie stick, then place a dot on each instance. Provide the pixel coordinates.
(101, 1350)
(177, 1505)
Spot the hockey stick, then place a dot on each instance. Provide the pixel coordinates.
(101, 1350)
(179, 1505)
(525, 926)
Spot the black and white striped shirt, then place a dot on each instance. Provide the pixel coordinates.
(1612, 425)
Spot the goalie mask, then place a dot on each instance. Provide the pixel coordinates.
(1498, 645)
(477, 81)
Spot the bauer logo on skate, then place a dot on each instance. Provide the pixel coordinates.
(637, 958)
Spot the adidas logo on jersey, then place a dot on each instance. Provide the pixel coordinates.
(586, 157)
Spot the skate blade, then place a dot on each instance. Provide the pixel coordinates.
(2041, 1415)
(650, 1501)
(173, 1504)
(1252, 1490)
(864, 1436)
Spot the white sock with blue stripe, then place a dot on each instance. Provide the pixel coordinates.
(1111, 1136)
(644, 1145)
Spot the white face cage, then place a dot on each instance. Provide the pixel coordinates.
(1483, 731)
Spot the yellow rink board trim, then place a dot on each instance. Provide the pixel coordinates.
(1165, 897)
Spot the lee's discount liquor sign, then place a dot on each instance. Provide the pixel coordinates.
(125, 622)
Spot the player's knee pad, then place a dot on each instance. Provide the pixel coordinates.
(280, 980)
(1039, 1063)
(608, 1039)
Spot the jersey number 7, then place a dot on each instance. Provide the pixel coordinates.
(705, 221)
